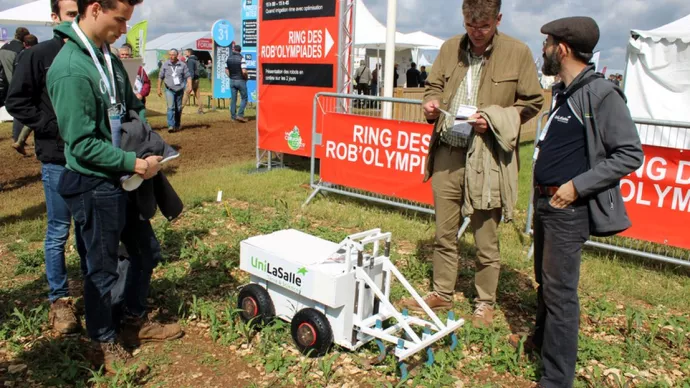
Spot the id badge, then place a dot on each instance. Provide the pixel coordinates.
(460, 127)
(115, 121)
(176, 80)
(138, 85)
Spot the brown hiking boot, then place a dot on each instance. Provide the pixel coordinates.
(242, 120)
(141, 330)
(483, 315)
(62, 316)
(529, 346)
(432, 299)
(19, 148)
(113, 357)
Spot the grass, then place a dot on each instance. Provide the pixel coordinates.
(634, 313)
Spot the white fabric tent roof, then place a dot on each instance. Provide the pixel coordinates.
(31, 14)
(177, 40)
(371, 34)
(424, 40)
(678, 30)
(657, 80)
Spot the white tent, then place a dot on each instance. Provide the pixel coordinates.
(657, 76)
(176, 40)
(31, 14)
(371, 34)
(424, 41)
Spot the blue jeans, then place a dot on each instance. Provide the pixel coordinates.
(144, 254)
(238, 85)
(174, 100)
(559, 235)
(57, 233)
(100, 213)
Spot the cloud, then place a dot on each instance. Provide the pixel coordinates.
(442, 18)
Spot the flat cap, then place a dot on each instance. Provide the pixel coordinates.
(579, 32)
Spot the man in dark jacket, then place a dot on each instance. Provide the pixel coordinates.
(413, 76)
(24, 132)
(589, 143)
(8, 56)
(29, 103)
(194, 67)
(236, 70)
(8, 60)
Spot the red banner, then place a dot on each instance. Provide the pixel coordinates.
(204, 44)
(298, 57)
(657, 197)
(386, 157)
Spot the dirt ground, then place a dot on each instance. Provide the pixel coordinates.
(202, 136)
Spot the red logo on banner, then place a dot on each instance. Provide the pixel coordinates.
(205, 44)
(386, 157)
(298, 57)
(657, 197)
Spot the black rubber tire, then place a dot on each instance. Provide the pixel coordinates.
(317, 324)
(263, 311)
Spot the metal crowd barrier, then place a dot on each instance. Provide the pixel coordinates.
(652, 132)
(369, 106)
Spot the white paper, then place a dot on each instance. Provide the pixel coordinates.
(461, 124)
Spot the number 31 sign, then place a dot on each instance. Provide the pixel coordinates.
(223, 33)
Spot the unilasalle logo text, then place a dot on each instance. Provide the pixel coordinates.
(285, 278)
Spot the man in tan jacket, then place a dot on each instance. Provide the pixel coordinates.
(474, 71)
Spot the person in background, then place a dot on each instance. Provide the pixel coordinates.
(209, 69)
(236, 70)
(8, 58)
(142, 84)
(175, 75)
(362, 78)
(395, 75)
(375, 80)
(414, 79)
(28, 101)
(423, 76)
(29, 41)
(194, 67)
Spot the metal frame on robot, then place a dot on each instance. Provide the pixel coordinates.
(372, 326)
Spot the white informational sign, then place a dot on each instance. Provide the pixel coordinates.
(132, 67)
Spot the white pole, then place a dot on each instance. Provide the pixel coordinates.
(390, 57)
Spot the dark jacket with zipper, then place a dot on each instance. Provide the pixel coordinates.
(614, 149)
(157, 192)
(28, 101)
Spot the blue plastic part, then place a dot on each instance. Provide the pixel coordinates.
(379, 324)
(454, 341)
(451, 315)
(382, 351)
(427, 330)
(401, 343)
(429, 357)
(403, 371)
(405, 313)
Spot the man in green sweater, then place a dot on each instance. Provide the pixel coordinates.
(90, 92)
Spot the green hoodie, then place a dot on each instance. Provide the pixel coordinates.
(81, 104)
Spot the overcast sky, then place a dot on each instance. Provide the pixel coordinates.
(443, 18)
